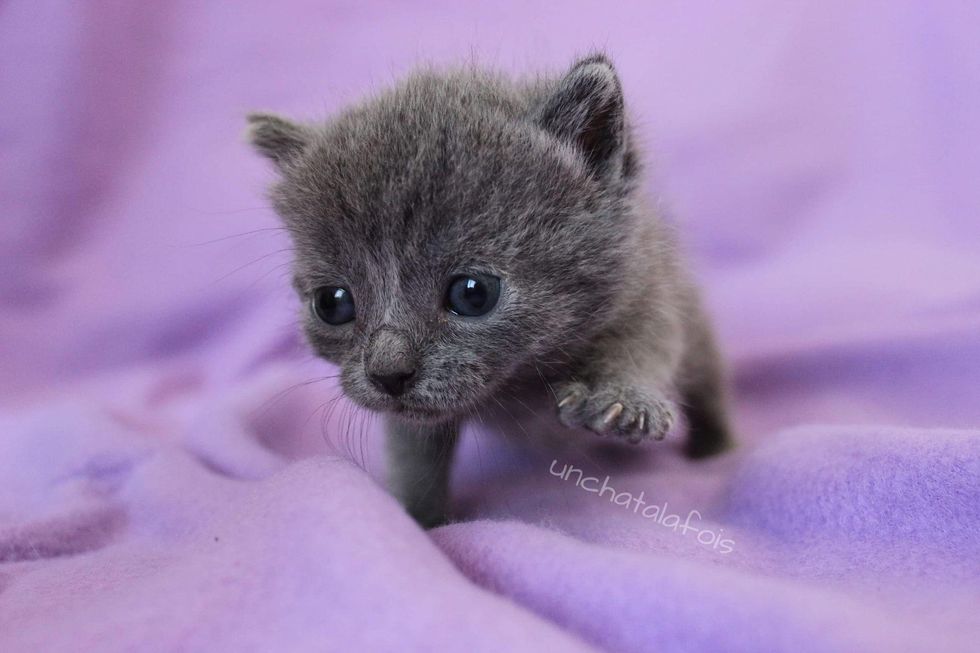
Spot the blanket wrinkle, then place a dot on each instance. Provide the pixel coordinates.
(179, 473)
(75, 533)
(779, 613)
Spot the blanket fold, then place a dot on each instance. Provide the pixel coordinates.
(177, 472)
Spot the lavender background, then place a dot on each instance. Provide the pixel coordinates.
(169, 481)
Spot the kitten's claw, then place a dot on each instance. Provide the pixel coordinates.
(566, 401)
(615, 410)
(612, 413)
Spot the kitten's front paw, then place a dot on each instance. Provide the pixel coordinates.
(618, 410)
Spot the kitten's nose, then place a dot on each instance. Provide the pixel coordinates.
(393, 383)
(389, 361)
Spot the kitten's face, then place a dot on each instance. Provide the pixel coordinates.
(446, 240)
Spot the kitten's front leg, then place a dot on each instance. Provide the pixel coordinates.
(419, 458)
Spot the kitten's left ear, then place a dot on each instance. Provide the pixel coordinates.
(277, 138)
(587, 110)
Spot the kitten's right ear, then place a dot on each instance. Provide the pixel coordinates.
(277, 138)
(586, 109)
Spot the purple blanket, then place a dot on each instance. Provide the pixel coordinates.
(178, 473)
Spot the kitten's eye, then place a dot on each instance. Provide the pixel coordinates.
(333, 304)
(472, 295)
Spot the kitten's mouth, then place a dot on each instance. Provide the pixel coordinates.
(403, 407)
(407, 406)
(412, 411)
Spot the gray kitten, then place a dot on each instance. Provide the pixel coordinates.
(472, 246)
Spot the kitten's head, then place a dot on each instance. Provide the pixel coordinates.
(456, 230)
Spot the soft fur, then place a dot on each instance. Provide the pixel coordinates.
(536, 182)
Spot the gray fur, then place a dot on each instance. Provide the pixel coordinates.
(535, 182)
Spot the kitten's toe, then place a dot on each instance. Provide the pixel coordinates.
(645, 419)
(660, 419)
(608, 418)
(571, 400)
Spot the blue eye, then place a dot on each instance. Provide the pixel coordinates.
(472, 295)
(333, 304)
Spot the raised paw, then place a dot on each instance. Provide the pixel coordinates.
(616, 410)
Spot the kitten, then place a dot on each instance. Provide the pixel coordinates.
(463, 240)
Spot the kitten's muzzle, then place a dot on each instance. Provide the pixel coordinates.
(389, 361)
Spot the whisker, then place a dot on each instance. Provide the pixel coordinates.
(267, 404)
(239, 235)
(253, 262)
